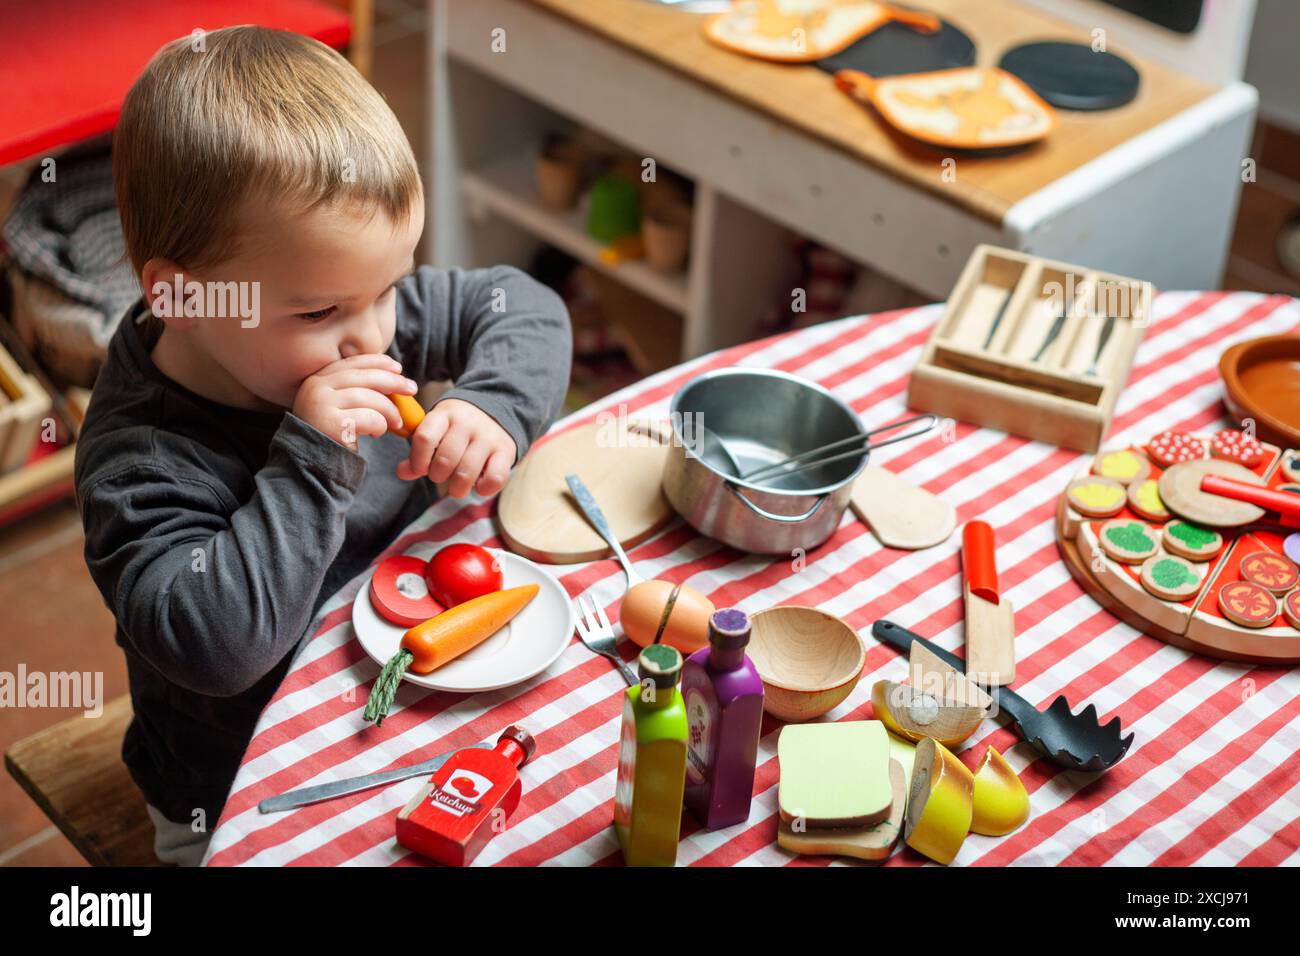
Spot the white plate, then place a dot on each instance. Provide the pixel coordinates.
(522, 649)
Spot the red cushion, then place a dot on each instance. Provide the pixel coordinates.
(65, 66)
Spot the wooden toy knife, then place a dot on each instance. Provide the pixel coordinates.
(990, 618)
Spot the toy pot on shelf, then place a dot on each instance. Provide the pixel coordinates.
(666, 231)
(742, 418)
(559, 173)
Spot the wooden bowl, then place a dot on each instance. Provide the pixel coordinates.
(809, 660)
(1262, 380)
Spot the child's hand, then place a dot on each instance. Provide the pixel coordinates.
(349, 397)
(462, 442)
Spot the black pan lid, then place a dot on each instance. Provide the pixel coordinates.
(1073, 76)
(896, 50)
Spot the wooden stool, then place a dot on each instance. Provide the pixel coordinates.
(74, 772)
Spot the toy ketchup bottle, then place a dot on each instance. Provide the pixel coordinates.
(723, 695)
(651, 762)
(467, 801)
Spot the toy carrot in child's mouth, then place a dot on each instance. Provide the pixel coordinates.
(411, 412)
(429, 645)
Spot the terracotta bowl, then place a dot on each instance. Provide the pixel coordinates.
(1262, 380)
(809, 660)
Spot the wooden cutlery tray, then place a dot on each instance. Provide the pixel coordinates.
(1034, 347)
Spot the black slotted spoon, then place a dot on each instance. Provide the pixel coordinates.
(1074, 741)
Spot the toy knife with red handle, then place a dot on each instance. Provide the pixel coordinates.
(978, 561)
(990, 618)
(1287, 505)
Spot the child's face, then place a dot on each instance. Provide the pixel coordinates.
(324, 290)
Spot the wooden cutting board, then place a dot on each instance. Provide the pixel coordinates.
(538, 517)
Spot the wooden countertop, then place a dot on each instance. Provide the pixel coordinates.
(804, 97)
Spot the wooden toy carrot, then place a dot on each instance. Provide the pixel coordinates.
(411, 412)
(432, 644)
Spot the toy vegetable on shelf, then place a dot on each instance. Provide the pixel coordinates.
(430, 645)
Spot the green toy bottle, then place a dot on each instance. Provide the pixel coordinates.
(652, 761)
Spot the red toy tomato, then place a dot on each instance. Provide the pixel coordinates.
(460, 572)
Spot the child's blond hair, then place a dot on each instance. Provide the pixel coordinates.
(248, 114)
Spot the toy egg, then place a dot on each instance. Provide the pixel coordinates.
(685, 625)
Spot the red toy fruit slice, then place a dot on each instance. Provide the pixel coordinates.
(1169, 448)
(399, 594)
(1233, 445)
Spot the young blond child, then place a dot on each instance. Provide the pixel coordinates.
(235, 467)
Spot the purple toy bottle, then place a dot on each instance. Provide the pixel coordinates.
(724, 711)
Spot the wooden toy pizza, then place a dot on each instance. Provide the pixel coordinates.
(970, 107)
(1195, 569)
(800, 31)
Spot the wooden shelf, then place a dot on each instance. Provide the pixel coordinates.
(506, 187)
(484, 209)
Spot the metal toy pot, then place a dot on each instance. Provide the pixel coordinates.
(734, 421)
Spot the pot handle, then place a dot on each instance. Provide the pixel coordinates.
(784, 519)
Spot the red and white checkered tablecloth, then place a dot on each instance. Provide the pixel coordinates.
(1211, 777)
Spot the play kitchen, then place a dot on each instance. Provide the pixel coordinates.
(917, 72)
(1188, 537)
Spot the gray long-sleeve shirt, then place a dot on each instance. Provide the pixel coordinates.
(214, 534)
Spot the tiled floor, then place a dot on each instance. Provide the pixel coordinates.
(51, 616)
